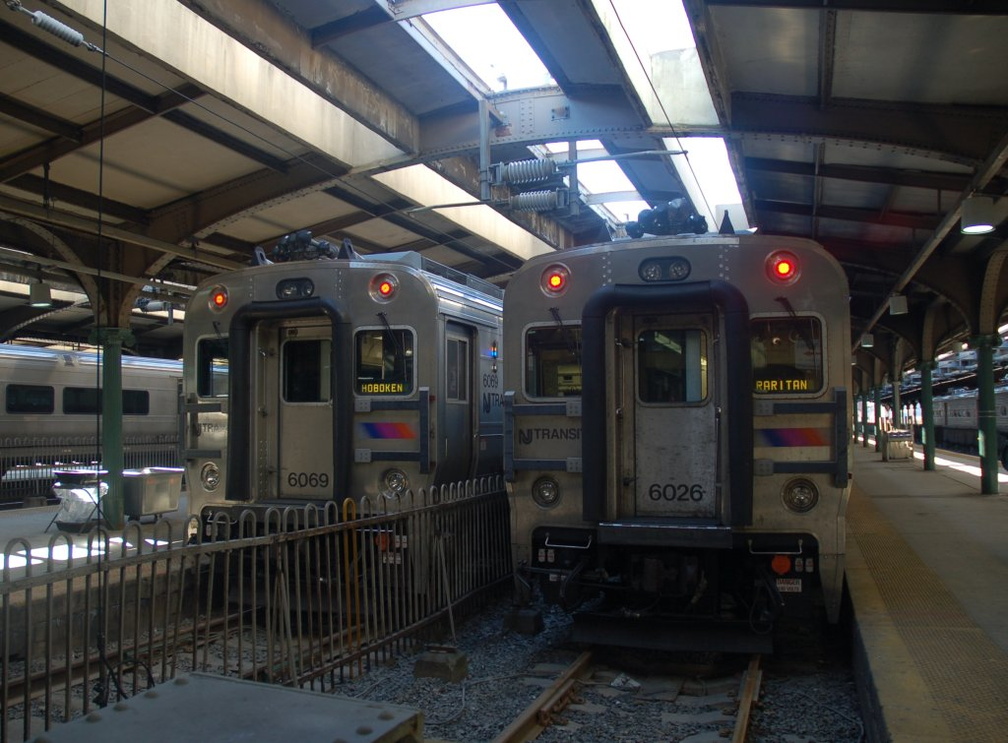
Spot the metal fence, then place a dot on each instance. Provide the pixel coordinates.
(308, 598)
(28, 463)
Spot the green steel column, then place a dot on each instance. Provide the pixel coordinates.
(111, 340)
(927, 411)
(987, 437)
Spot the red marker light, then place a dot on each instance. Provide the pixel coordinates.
(218, 298)
(554, 279)
(782, 266)
(384, 286)
(780, 564)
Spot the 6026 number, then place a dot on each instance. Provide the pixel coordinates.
(676, 492)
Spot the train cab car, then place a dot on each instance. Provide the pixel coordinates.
(676, 429)
(346, 376)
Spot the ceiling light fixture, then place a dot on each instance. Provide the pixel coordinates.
(977, 215)
(898, 304)
(39, 295)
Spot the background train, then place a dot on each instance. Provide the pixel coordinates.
(955, 420)
(50, 412)
(676, 432)
(325, 375)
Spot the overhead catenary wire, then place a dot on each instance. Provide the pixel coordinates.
(668, 119)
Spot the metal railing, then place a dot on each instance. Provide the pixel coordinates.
(307, 598)
(28, 463)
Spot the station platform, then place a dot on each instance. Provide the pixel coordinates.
(38, 528)
(927, 569)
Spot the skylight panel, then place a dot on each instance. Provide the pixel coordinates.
(485, 39)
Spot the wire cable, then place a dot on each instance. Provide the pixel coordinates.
(661, 104)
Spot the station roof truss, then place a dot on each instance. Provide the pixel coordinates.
(156, 149)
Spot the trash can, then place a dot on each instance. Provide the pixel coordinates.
(80, 492)
(152, 491)
(897, 444)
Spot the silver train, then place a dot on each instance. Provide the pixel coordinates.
(955, 421)
(676, 432)
(326, 375)
(49, 416)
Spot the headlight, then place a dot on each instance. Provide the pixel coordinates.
(546, 492)
(394, 483)
(210, 476)
(800, 495)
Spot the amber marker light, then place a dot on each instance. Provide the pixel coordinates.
(782, 266)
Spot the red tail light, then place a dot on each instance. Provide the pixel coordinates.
(783, 267)
(554, 279)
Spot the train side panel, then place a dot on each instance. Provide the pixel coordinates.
(51, 406)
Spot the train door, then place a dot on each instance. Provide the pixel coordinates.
(457, 433)
(294, 450)
(667, 423)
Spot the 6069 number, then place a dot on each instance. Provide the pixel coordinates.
(676, 492)
(308, 479)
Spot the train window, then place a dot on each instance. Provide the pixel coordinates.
(553, 361)
(457, 368)
(30, 398)
(88, 401)
(81, 401)
(672, 365)
(384, 362)
(306, 370)
(136, 402)
(212, 367)
(787, 355)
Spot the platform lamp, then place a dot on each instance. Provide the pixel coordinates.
(898, 304)
(39, 294)
(867, 340)
(977, 216)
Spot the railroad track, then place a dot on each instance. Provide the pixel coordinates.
(553, 704)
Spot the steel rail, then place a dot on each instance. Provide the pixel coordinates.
(540, 713)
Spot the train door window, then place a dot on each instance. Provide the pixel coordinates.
(553, 361)
(212, 367)
(384, 361)
(672, 365)
(30, 398)
(457, 370)
(306, 370)
(787, 355)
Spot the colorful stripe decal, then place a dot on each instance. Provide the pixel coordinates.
(793, 437)
(388, 430)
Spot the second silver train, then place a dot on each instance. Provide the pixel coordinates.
(360, 377)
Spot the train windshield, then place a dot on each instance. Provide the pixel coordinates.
(787, 355)
(384, 361)
(553, 361)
